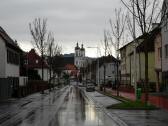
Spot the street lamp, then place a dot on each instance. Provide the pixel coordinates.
(97, 65)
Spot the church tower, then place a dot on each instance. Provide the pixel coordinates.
(79, 59)
(82, 51)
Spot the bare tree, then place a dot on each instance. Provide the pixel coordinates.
(145, 11)
(57, 60)
(57, 50)
(106, 47)
(144, 14)
(54, 50)
(117, 31)
(50, 40)
(38, 30)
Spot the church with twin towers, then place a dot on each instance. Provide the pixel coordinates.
(80, 59)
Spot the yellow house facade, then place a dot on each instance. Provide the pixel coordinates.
(129, 74)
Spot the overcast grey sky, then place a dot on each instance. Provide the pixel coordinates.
(69, 20)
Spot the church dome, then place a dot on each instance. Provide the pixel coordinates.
(82, 49)
(77, 46)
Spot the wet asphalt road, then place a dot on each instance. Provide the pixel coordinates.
(66, 107)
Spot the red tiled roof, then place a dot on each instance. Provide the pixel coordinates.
(70, 67)
(34, 60)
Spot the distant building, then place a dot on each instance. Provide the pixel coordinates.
(108, 65)
(68, 59)
(71, 70)
(80, 59)
(34, 62)
(69, 55)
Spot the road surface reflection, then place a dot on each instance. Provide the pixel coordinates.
(68, 107)
(78, 111)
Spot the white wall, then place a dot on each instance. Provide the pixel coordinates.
(6, 70)
(80, 58)
(2, 58)
(81, 61)
(110, 72)
(12, 70)
(46, 73)
(23, 81)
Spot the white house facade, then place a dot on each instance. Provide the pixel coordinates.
(9, 63)
(7, 67)
(45, 72)
(110, 73)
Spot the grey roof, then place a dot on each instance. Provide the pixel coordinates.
(8, 40)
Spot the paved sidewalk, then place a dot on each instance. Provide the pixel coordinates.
(102, 99)
(157, 100)
(142, 117)
(132, 117)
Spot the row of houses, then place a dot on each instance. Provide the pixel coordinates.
(102, 71)
(157, 41)
(17, 67)
(132, 71)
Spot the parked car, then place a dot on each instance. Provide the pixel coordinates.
(90, 87)
(80, 84)
(88, 81)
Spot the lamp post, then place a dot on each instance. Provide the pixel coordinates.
(97, 65)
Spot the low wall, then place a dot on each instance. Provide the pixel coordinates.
(23, 81)
(5, 88)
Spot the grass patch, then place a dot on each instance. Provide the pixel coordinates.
(132, 105)
(128, 104)
(119, 98)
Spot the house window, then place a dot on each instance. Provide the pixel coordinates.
(26, 62)
(36, 61)
(166, 50)
(12, 57)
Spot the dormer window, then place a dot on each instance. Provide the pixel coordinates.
(36, 61)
